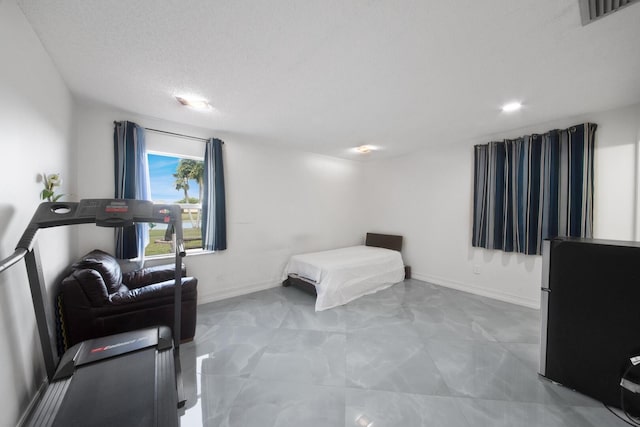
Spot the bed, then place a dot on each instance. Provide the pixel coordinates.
(339, 276)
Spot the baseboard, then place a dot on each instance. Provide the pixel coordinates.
(34, 401)
(472, 289)
(220, 294)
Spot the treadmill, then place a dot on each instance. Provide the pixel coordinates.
(132, 378)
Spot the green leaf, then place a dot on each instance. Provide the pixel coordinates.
(46, 194)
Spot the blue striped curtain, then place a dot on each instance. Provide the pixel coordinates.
(214, 222)
(533, 188)
(131, 182)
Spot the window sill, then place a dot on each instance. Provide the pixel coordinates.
(190, 253)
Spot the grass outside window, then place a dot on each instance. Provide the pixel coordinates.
(158, 246)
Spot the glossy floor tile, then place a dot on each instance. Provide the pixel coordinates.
(415, 354)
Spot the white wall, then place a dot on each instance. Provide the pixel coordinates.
(279, 202)
(35, 123)
(427, 197)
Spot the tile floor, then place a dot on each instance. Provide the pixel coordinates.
(413, 355)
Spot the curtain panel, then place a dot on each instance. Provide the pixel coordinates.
(131, 182)
(533, 188)
(214, 228)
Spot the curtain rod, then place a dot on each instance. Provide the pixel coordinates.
(179, 135)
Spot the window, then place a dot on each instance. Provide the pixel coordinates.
(176, 179)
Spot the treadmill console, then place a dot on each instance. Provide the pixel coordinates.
(102, 212)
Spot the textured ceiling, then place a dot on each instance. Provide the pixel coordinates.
(325, 76)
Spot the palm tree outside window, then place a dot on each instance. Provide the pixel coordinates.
(176, 179)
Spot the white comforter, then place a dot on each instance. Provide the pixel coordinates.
(342, 275)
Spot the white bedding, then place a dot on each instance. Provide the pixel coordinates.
(342, 275)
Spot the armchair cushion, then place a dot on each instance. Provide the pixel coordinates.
(93, 286)
(149, 275)
(105, 264)
(156, 290)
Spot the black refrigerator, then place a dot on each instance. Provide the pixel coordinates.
(590, 311)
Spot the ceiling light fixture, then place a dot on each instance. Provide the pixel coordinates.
(511, 107)
(199, 104)
(364, 149)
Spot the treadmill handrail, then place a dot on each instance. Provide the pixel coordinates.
(16, 256)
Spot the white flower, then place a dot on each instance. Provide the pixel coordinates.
(54, 180)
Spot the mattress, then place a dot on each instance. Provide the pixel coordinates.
(342, 275)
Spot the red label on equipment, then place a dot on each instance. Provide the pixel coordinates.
(116, 209)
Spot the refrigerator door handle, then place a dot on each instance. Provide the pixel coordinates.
(544, 306)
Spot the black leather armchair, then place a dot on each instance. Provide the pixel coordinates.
(97, 299)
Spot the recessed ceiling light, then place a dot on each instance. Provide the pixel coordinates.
(363, 421)
(364, 149)
(511, 107)
(199, 104)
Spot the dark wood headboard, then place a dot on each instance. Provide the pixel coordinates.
(387, 241)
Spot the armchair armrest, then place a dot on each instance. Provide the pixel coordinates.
(156, 290)
(150, 275)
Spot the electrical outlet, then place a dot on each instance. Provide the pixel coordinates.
(476, 269)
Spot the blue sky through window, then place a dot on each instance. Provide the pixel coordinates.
(163, 184)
